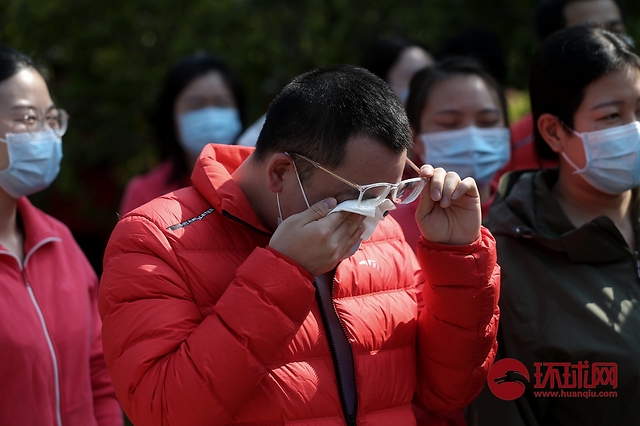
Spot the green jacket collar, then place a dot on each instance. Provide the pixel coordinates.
(517, 213)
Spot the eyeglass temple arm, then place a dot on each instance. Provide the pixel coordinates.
(318, 166)
(413, 166)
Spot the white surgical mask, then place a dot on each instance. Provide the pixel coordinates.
(34, 162)
(208, 125)
(612, 158)
(472, 151)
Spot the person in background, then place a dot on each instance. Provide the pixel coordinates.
(551, 16)
(395, 60)
(568, 240)
(201, 102)
(52, 371)
(277, 294)
(480, 45)
(459, 122)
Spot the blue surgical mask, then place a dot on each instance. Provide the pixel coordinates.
(612, 158)
(472, 151)
(208, 125)
(34, 162)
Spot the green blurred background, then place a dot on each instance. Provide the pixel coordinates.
(105, 61)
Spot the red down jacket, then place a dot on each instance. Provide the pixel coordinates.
(205, 325)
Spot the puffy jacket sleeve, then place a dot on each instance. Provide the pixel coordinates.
(172, 364)
(458, 326)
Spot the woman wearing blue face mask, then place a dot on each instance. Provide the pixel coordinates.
(52, 370)
(459, 121)
(201, 102)
(568, 241)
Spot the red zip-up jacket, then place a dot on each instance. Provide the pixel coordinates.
(206, 325)
(52, 371)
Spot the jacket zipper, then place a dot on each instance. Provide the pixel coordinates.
(54, 358)
(349, 418)
(242, 222)
(56, 378)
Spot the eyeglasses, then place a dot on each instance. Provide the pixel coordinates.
(374, 194)
(33, 121)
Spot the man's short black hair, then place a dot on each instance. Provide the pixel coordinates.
(320, 111)
(548, 16)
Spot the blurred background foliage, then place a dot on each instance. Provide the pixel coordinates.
(105, 61)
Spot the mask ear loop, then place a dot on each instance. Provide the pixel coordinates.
(299, 181)
(577, 170)
(279, 211)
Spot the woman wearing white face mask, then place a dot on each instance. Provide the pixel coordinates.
(52, 370)
(201, 102)
(568, 240)
(458, 117)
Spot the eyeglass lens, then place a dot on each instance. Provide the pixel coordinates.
(55, 118)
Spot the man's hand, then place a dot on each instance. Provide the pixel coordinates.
(449, 210)
(316, 240)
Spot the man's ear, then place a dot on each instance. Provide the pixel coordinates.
(277, 166)
(552, 131)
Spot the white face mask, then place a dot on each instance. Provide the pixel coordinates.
(612, 158)
(34, 162)
(472, 151)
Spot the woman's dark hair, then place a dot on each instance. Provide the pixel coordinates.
(479, 44)
(179, 76)
(383, 53)
(564, 65)
(12, 62)
(424, 80)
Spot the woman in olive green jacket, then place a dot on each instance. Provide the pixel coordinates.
(568, 246)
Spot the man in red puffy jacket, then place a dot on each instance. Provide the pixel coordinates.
(250, 298)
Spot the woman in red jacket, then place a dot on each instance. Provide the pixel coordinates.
(52, 371)
(458, 117)
(201, 102)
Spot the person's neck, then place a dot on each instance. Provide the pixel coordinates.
(11, 237)
(582, 204)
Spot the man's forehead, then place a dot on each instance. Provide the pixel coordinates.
(370, 161)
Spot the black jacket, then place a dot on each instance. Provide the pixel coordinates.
(568, 295)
